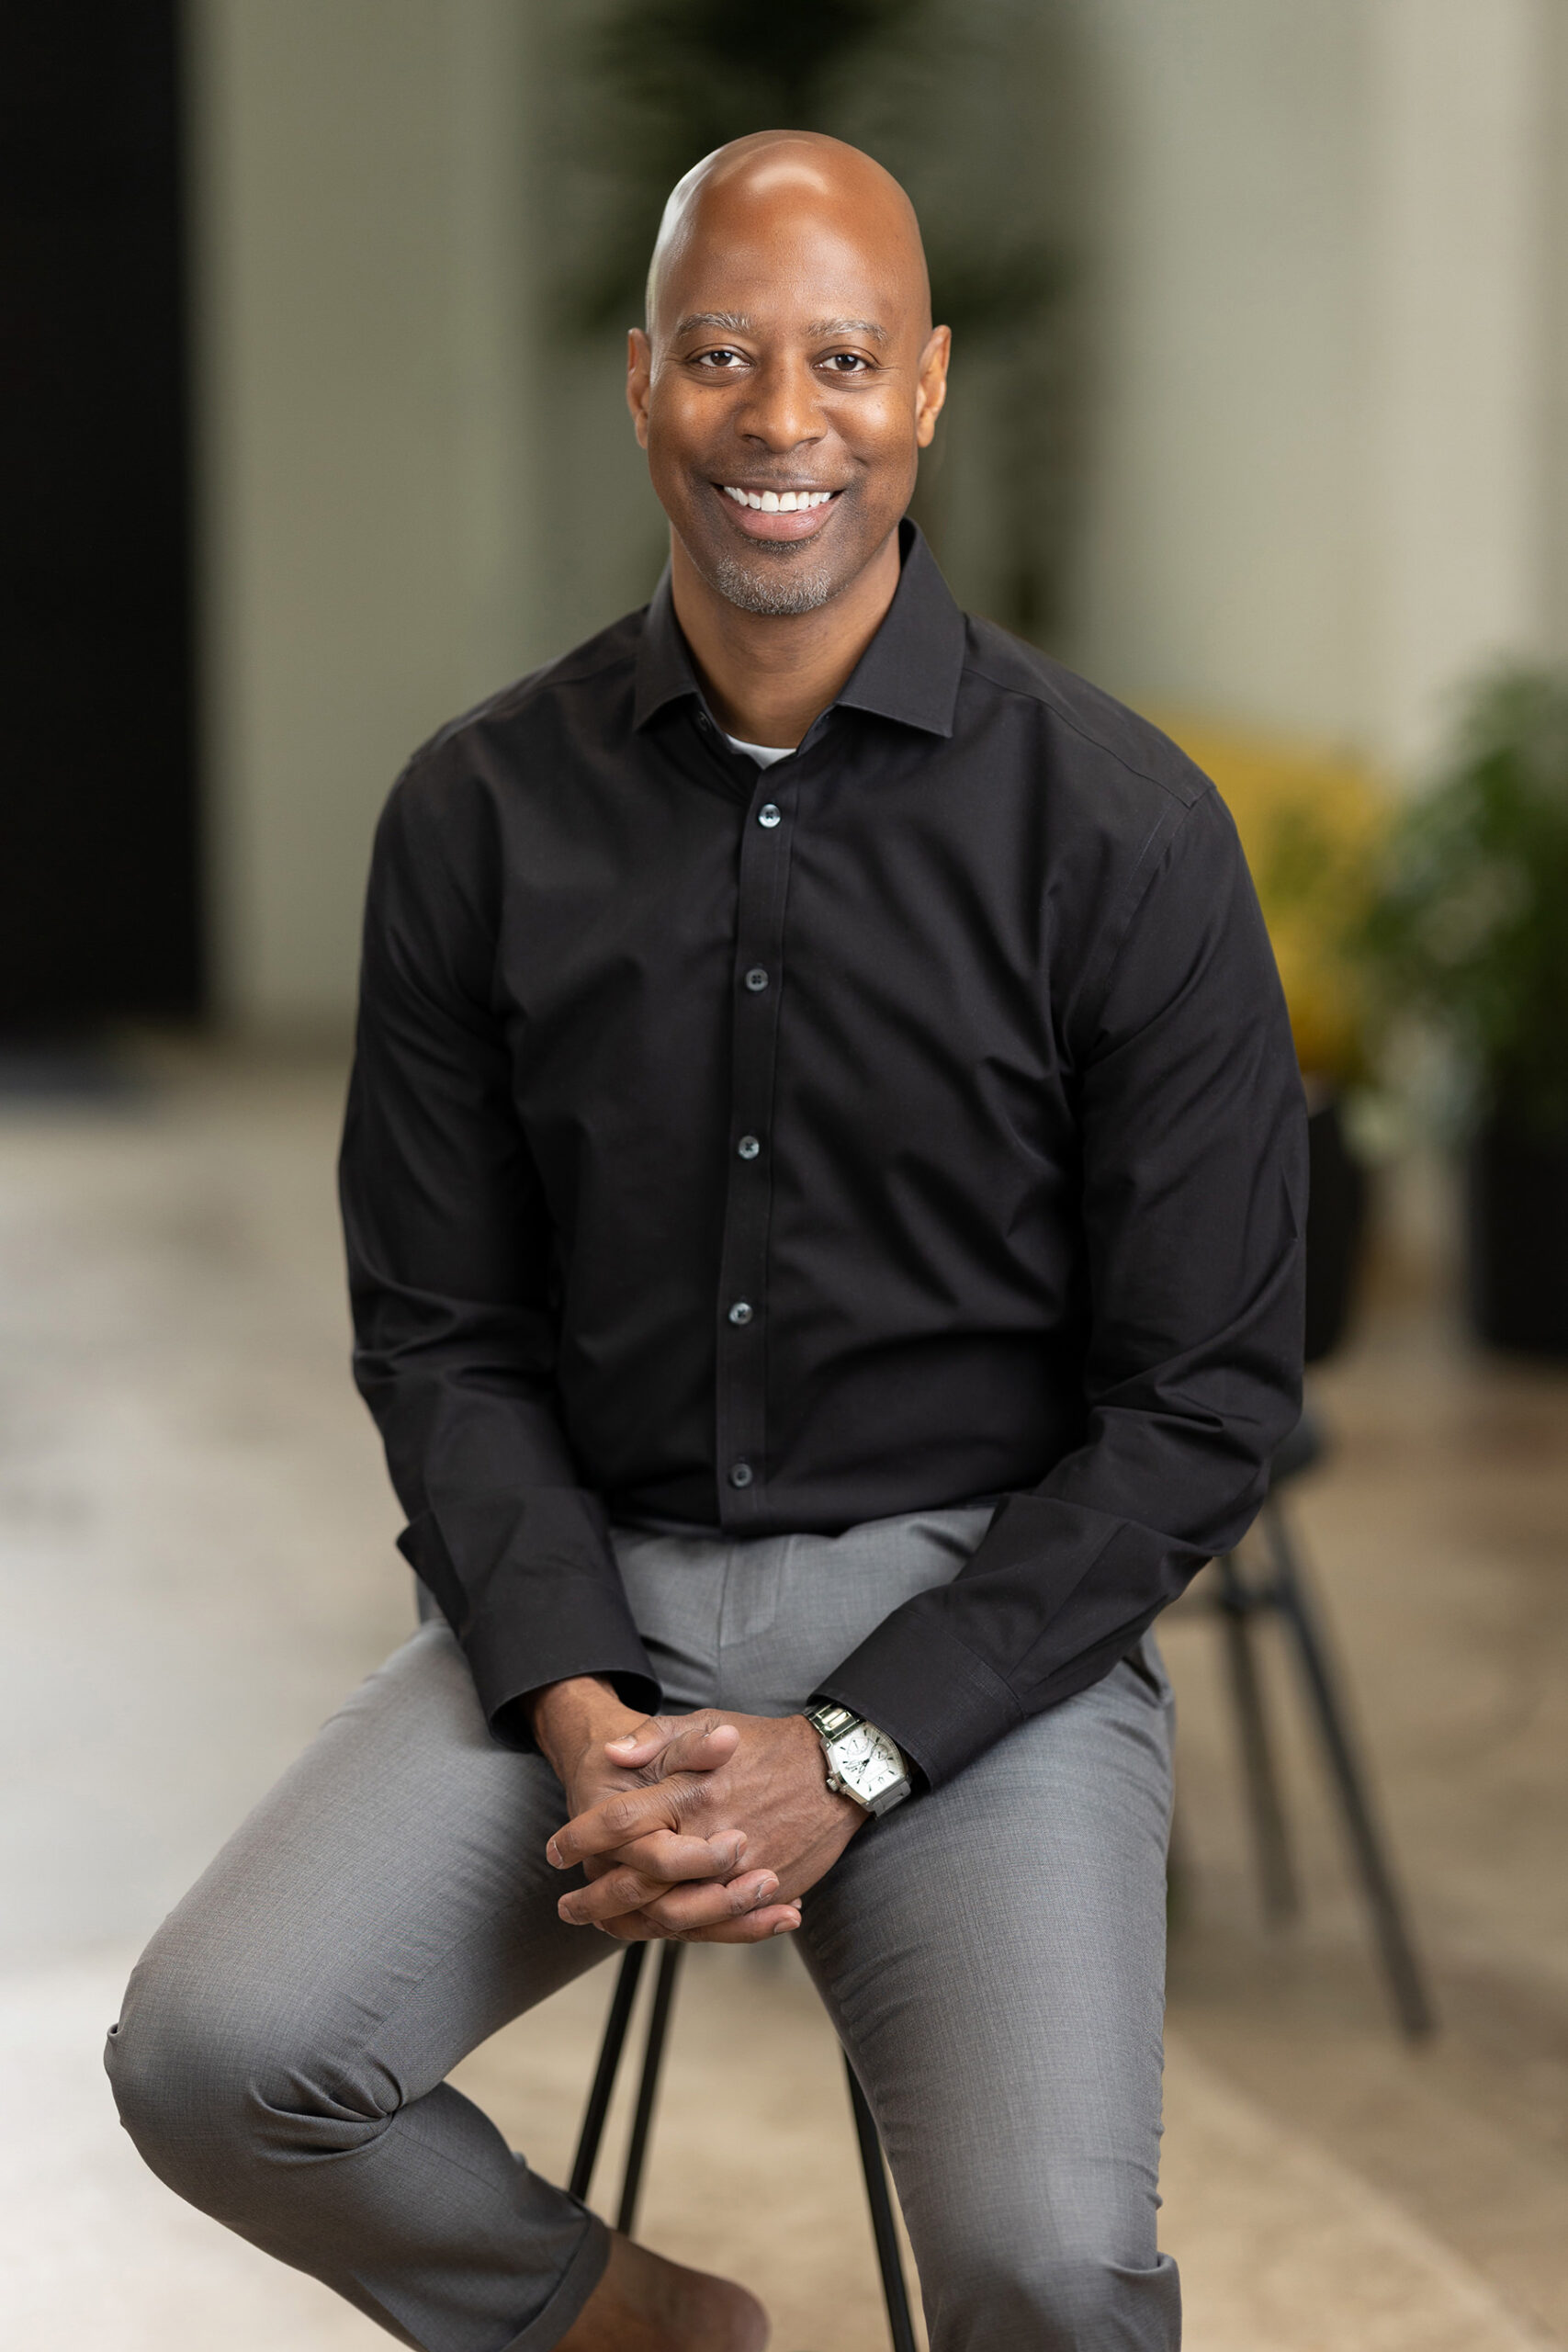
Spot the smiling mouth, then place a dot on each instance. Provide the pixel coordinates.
(779, 502)
(778, 518)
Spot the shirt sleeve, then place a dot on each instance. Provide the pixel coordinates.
(450, 1254)
(1193, 1139)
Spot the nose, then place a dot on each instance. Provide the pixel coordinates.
(783, 408)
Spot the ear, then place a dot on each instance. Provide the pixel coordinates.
(639, 376)
(931, 384)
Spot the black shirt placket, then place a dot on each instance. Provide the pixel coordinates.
(757, 983)
(1032, 1140)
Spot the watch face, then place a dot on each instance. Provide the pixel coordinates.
(867, 1761)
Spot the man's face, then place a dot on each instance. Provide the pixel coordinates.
(788, 385)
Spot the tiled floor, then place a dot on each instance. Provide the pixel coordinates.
(196, 1543)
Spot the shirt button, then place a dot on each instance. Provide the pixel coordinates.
(742, 1311)
(703, 721)
(748, 1146)
(756, 980)
(740, 1473)
(769, 815)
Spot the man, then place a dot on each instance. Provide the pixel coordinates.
(823, 1180)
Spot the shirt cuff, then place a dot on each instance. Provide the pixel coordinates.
(944, 1705)
(535, 1623)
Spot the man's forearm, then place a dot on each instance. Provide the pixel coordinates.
(570, 1717)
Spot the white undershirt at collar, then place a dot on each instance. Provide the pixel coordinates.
(763, 753)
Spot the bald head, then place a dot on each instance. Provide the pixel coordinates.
(789, 374)
(760, 185)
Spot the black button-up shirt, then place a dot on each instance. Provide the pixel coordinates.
(910, 1123)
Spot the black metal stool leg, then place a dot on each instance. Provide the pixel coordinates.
(1237, 1606)
(878, 2196)
(609, 2064)
(900, 2326)
(669, 1957)
(1412, 2003)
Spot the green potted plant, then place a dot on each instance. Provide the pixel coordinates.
(1468, 933)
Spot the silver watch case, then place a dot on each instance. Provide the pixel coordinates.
(861, 1761)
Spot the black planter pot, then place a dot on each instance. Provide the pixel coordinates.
(1517, 1218)
(1337, 1218)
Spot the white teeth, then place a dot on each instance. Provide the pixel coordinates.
(769, 501)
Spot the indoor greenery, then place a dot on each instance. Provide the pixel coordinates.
(1312, 823)
(1469, 925)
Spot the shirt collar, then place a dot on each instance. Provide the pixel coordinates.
(909, 671)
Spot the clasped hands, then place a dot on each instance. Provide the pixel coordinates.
(707, 1827)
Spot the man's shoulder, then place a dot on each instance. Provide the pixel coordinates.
(531, 707)
(1092, 741)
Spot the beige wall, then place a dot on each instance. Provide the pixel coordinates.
(1323, 266)
(367, 545)
(1226, 193)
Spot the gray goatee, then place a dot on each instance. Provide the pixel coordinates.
(777, 587)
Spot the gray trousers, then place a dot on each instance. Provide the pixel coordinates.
(992, 1955)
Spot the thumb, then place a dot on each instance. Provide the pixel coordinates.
(688, 1743)
(640, 1746)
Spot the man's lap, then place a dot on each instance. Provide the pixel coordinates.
(755, 1624)
(992, 1952)
(400, 1864)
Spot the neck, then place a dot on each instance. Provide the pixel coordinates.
(769, 675)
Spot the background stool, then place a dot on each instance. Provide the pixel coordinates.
(878, 2196)
(1240, 1595)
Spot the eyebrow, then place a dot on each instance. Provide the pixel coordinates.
(819, 327)
(735, 320)
(739, 323)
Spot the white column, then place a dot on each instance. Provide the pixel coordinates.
(359, 273)
(1456, 515)
(1226, 201)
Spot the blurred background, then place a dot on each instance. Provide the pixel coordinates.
(314, 316)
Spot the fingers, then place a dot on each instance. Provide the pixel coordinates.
(705, 1742)
(671, 1859)
(618, 1821)
(755, 1927)
(681, 1910)
(700, 1747)
(672, 1910)
(773, 1919)
(641, 1746)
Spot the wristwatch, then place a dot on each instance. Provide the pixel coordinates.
(863, 1762)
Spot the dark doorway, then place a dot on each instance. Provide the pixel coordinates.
(98, 853)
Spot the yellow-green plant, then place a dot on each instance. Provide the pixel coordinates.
(1313, 824)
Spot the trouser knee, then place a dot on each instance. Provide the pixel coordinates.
(1028, 2300)
(218, 2090)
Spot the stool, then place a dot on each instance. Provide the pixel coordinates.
(1240, 1598)
(879, 2197)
